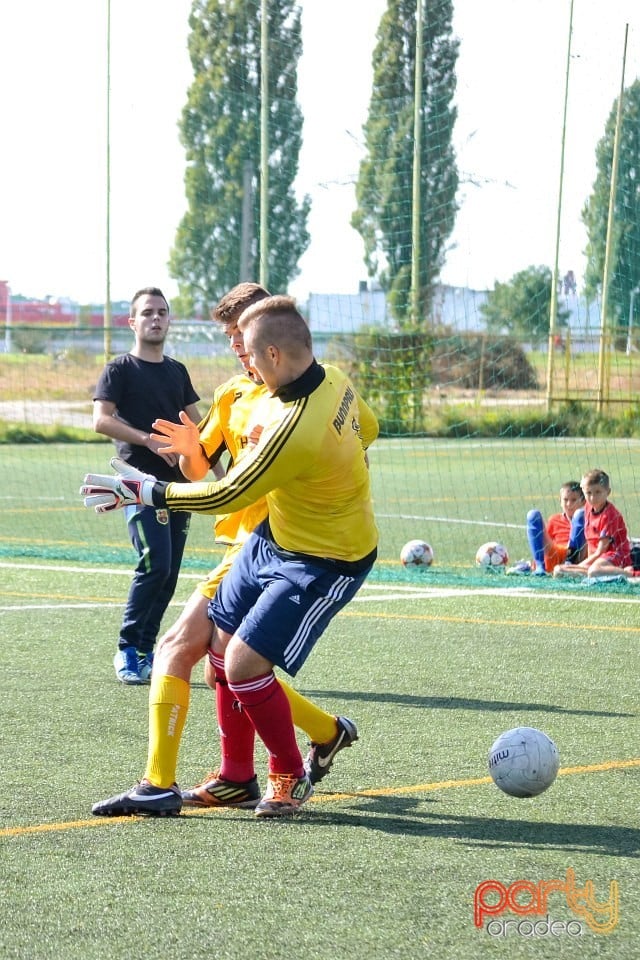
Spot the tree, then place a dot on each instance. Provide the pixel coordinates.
(522, 306)
(384, 188)
(625, 252)
(220, 130)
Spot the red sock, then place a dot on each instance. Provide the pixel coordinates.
(265, 702)
(237, 734)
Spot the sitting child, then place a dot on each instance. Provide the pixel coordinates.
(561, 539)
(608, 548)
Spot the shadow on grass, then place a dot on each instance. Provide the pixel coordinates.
(455, 703)
(406, 816)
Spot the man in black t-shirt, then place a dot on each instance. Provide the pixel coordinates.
(133, 391)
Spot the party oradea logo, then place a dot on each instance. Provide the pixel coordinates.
(532, 902)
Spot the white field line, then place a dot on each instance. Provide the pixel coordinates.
(443, 592)
(369, 592)
(451, 520)
(33, 499)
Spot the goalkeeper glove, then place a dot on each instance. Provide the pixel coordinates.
(127, 488)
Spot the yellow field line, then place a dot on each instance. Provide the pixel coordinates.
(438, 618)
(322, 798)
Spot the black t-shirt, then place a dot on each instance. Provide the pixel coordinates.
(142, 392)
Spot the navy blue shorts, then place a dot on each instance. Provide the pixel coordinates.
(280, 607)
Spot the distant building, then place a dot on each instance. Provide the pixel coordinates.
(346, 312)
(57, 311)
(456, 308)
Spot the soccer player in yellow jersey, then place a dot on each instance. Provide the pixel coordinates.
(295, 572)
(227, 427)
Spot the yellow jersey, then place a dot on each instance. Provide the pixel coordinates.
(227, 426)
(305, 457)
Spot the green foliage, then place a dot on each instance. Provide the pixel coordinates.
(220, 130)
(625, 263)
(414, 360)
(38, 433)
(384, 188)
(374, 359)
(30, 339)
(570, 420)
(523, 305)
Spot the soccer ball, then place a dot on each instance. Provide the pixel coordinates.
(416, 553)
(523, 762)
(492, 554)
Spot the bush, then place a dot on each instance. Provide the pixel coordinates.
(29, 340)
(481, 362)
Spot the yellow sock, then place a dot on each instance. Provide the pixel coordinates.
(319, 725)
(168, 706)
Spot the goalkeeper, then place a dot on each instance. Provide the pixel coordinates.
(296, 571)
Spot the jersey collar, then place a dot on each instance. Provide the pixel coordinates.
(303, 386)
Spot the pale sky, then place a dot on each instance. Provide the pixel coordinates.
(510, 97)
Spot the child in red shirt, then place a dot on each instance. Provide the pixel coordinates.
(605, 530)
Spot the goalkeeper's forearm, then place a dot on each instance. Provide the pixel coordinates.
(205, 496)
(193, 496)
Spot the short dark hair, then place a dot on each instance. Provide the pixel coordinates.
(572, 486)
(146, 292)
(243, 295)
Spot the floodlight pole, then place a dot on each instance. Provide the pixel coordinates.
(264, 144)
(553, 312)
(107, 303)
(604, 353)
(417, 156)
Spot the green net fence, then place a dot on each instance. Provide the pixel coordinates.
(492, 319)
(456, 490)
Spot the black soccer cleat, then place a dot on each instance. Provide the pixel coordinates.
(142, 800)
(320, 758)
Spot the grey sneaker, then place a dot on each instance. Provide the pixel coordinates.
(142, 799)
(519, 569)
(145, 665)
(126, 666)
(320, 758)
(285, 795)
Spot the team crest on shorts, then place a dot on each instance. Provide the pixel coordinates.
(162, 516)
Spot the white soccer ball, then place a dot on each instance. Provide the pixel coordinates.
(416, 553)
(492, 554)
(523, 762)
